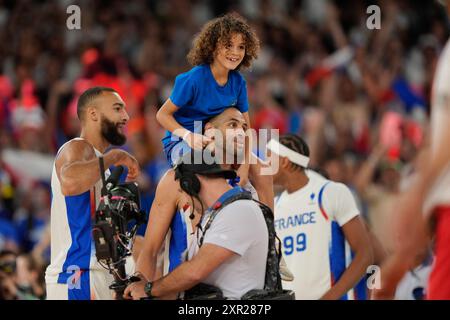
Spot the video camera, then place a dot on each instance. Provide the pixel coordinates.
(119, 205)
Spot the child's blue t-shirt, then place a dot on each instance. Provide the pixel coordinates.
(199, 97)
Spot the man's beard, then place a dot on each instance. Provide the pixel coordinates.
(111, 133)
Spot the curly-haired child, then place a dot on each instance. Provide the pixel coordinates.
(223, 46)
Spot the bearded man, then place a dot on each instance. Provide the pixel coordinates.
(74, 272)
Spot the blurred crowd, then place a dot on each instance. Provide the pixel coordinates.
(360, 97)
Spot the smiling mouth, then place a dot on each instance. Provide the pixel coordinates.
(233, 59)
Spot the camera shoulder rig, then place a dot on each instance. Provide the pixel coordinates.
(119, 206)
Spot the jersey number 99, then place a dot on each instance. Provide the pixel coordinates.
(297, 243)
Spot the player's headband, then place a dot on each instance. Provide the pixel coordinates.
(284, 151)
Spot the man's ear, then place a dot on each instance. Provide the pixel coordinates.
(208, 126)
(210, 131)
(284, 162)
(92, 113)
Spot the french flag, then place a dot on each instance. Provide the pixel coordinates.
(334, 61)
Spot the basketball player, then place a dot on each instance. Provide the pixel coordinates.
(324, 241)
(74, 273)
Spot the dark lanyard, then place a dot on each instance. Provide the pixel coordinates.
(227, 198)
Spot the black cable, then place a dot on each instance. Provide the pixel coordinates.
(192, 215)
(102, 175)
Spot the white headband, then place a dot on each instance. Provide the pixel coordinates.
(284, 151)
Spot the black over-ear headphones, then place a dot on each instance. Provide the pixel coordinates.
(189, 182)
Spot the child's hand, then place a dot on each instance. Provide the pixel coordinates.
(211, 146)
(197, 141)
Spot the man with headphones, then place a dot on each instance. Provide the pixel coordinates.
(232, 237)
(171, 225)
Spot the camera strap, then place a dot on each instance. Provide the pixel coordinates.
(218, 206)
(272, 281)
(102, 175)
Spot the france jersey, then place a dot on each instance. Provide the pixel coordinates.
(199, 97)
(74, 272)
(308, 223)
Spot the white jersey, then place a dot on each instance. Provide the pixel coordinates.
(308, 223)
(440, 115)
(73, 260)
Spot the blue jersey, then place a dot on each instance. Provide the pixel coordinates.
(199, 97)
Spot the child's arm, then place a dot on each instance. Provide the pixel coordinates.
(167, 121)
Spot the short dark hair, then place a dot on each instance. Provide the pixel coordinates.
(87, 97)
(214, 119)
(296, 143)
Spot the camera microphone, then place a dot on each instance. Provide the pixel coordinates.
(113, 179)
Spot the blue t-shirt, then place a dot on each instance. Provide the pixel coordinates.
(199, 97)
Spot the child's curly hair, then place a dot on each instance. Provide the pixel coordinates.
(220, 30)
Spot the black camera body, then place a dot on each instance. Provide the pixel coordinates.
(119, 205)
(116, 210)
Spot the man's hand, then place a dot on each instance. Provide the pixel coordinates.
(127, 160)
(135, 290)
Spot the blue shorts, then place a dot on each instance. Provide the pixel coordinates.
(175, 150)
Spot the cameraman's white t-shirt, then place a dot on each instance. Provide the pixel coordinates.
(241, 228)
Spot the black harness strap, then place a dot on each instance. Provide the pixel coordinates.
(273, 279)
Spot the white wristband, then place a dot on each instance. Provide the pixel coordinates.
(186, 134)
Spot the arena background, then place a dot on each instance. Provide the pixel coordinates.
(360, 97)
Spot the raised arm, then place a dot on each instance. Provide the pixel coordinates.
(185, 276)
(78, 169)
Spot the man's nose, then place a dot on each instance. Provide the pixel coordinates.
(240, 135)
(125, 116)
(241, 132)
